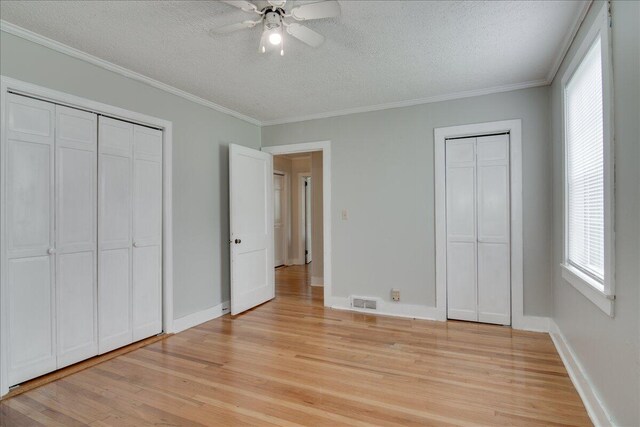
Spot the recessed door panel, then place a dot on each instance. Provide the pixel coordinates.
(77, 300)
(494, 283)
(29, 197)
(32, 350)
(147, 292)
(76, 196)
(461, 218)
(114, 324)
(148, 202)
(493, 203)
(115, 201)
(461, 281)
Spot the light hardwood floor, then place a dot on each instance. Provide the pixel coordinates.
(293, 362)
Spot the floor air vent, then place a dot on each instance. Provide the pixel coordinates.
(359, 302)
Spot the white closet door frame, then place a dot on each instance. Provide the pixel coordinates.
(8, 85)
(514, 127)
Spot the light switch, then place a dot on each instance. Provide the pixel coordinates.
(345, 215)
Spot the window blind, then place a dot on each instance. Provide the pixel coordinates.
(585, 165)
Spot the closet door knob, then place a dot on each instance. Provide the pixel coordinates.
(135, 244)
(51, 251)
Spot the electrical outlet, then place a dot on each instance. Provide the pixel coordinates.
(395, 294)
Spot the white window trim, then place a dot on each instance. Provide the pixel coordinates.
(601, 294)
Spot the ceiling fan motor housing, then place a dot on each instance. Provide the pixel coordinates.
(272, 19)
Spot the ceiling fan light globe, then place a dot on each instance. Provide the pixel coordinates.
(275, 38)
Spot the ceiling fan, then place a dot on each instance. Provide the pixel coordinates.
(275, 19)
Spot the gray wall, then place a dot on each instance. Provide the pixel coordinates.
(608, 347)
(382, 173)
(200, 160)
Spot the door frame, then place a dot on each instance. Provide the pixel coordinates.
(19, 87)
(325, 147)
(286, 223)
(514, 127)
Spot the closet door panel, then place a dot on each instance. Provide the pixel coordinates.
(115, 145)
(32, 350)
(494, 283)
(115, 201)
(494, 261)
(148, 203)
(461, 281)
(77, 303)
(76, 235)
(29, 198)
(29, 263)
(147, 292)
(114, 299)
(461, 229)
(147, 233)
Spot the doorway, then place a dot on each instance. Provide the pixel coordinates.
(279, 218)
(308, 230)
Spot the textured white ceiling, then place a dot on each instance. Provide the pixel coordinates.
(376, 52)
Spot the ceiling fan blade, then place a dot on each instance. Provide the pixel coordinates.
(324, 9)
(244, 5)
(305, 35)
(234, 27)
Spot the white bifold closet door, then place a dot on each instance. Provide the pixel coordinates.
(130, 233)
(30, 240)
(76, 235)
(478, 229)
(51, 237)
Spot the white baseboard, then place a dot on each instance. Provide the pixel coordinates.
(386, 308)
(295, 261)
(317, 281)
(194, 319)
(595, 408)
(531, 323)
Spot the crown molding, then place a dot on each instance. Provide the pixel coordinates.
(409, 103)
(75, 53)
(568, 41)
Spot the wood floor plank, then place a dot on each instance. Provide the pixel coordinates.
(293, 362)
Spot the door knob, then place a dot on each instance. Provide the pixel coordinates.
(238, 241)
(51, 251)
(135, 244)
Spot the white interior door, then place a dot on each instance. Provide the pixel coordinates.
(76, 235)
(307, 220)
(279, 233)
(115, 199)
(494, 259)
(461, 229)
(251, 227)
(29, 235)
(147, 232)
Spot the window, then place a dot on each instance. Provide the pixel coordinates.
(585, 166)
(588, 233)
